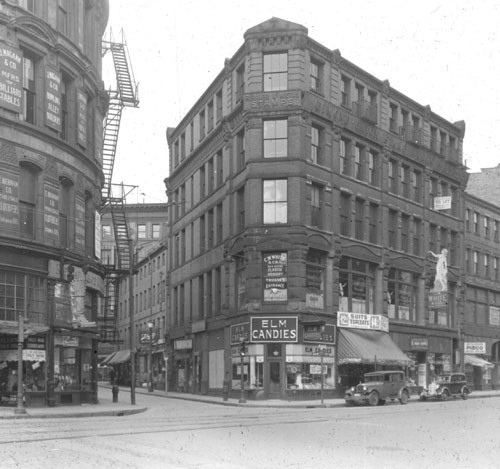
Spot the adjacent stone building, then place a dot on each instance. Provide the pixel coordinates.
(305, 195)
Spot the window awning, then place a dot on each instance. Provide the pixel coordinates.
(116, 358)
(476, 361)
(369, 347)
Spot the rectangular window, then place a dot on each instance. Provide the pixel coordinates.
(476, 223)
(392, 172)
(403, 172)
(315, 145)
(495, 268)
(218, 106)
(219, 169)
(240, 202)
(476, 262)
(211, 176)
(141, 231)
(62, 17)
(316, 204)
(372, 168)
(275, 72)
(467, 261)
(202, 182)
(275, 201)
(417, 236)
(240, 82)
(275, 138)
(183, 146)
(393, 224)
(467, 219)
(358, 169)
(374, 219)
(405, 232)
(416, 182)
(210, 228)
(64, 108)
(393, 120)
(202, 233)
(486, 265)
(345, 214)
(359, 219)
(496, 227)
(343, 160)
(316, 70)
(156, 231)
(345, 90)
(28, 189)
(240, 149)
(29, 88)
(201, 120)
(219, 223)
(210, 115)
(486, 221)
(208, 290)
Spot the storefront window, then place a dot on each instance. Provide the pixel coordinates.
(356, 286)
(401, 295)
(253, 372)
(308, 376)
(315, 281)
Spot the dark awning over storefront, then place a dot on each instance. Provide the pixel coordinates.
(12, 328)
(116, 358)
(476, 361)
(369, 347)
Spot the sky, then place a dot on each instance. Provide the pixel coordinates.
(442, 53)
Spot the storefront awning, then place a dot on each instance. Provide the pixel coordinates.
(121, 356)
(369, 347)
(12, 328)
(476, 361)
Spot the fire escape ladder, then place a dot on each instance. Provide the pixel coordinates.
(124, 74)
(109, 314)
(121, 231)
(110, 142)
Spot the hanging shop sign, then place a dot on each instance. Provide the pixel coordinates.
(240, 332)
(374, 322)
(494, 316)
(273, 329)
(419, 343)
(184, 344)
(478, 348)
(11, 78)
(51, 214)
(9, 200)
(317, 333)
(148, 337)
(275, 277)
(442, 203)
(438, 299)
(53, 99)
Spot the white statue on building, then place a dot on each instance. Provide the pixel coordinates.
(441, 278)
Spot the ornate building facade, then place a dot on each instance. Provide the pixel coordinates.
(52, 105)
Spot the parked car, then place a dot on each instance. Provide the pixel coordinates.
(445, 386)
(377, 387)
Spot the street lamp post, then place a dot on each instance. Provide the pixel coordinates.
(150, 384)
(243, 350)
(20, 409)
(322, 353)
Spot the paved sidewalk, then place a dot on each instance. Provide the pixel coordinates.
(106, 406)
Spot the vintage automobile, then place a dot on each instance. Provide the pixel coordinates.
(377, 387)
(445, 386)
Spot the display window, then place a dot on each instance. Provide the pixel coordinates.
(356, 286)
(308, 376)
(402, 295)
(253, 372)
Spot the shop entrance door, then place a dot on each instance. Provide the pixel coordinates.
(274, 381)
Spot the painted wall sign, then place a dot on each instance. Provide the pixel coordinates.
(314, 333)
(475, 347)
(419, 343)
(11, 78)
(185, 344)
(53, 99)
(273, 329)
(362, 321)
(9, 200)
(494, 316)
(240, 332)
(277, 99)
(51, 213)
(275, 277)
(80, 224)
(81, 117)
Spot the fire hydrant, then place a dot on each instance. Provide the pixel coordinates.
(115, 390)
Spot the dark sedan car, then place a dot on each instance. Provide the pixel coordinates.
(445, 386)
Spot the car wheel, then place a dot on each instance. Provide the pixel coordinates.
(374, 398)
(445, 395)
(381, 402)
(404, 398)
(465, 394)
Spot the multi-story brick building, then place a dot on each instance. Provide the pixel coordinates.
(305, 197)
(481, 287)
(52, 105)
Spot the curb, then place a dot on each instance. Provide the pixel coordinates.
(83, 414)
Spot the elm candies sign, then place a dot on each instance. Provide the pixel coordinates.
(273, 329)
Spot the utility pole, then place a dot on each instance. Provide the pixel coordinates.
(20, 409)
(131, 322)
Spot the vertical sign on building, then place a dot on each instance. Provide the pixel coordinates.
(51, 214)
(53, 97)
(98, 234)
(80, 224)
(275, 277)
(9, 201)
(81, 115)
(11, 78)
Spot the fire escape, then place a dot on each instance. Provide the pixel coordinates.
(125, 95)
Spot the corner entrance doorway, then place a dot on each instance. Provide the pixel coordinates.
(274, 372)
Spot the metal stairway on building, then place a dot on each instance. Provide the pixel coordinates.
(125, 95)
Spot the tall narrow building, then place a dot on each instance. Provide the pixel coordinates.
(305, 195)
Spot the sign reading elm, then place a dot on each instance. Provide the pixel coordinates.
(273, 329)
